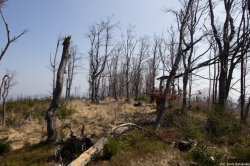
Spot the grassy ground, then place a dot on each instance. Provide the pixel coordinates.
(218, 134)
(38, 155)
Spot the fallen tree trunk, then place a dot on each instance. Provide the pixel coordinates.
(89, 154)
(95, 150)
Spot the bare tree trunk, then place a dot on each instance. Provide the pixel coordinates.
(50, 114)
(163, 98)
(185, 83)
(190, 90)
(242, 90)
(4, 91)
(4, 114)
(210, 83)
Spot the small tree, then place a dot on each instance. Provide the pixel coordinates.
(7, 82)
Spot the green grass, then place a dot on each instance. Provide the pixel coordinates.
(4, 145)
(38, 155)
(131, 146)
(27, 108)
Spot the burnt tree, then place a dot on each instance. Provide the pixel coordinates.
(51, 112)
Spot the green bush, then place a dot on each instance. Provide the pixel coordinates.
(4, 145)
(241, 149)
(113, 147)
(222, 123)
(206, 155)
(11, 120)
(64, 112)
(174, 118)
(193, 129)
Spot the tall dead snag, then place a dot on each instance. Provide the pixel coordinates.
(138, 66)
(72, 68)
(232, 41)
(162, 97)
(100, 37)
(113, 71)
(196, 11)
(129, 46)
(50, 114)
(152, 66)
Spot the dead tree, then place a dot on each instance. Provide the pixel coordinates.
(51, 112)
(190, 40)
(10, 39)
(2, 2)
(153, 64)
(243, 70)
(113, 71)
(163, 95)
(129, 47)
(4, 91)
(138, 66)
(53, 65)
(72, 68)
(232, 40)
(100, 36)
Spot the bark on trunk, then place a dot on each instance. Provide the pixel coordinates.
(50, 114)
(185, 83)
(86, 157)
(4, 114)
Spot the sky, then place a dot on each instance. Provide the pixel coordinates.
(46, 20)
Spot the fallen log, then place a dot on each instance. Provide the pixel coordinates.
(93, 151)
(89, 154)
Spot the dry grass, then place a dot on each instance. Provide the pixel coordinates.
(97, 119)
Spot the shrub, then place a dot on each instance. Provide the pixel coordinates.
(241, 149)
(113, 147)
(222, 123)
(64, 112)
(193, 129)
(4, 145)
(11, 120)
(174, 118)
(206, 155)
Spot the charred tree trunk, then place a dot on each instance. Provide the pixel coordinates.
(50, 114)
